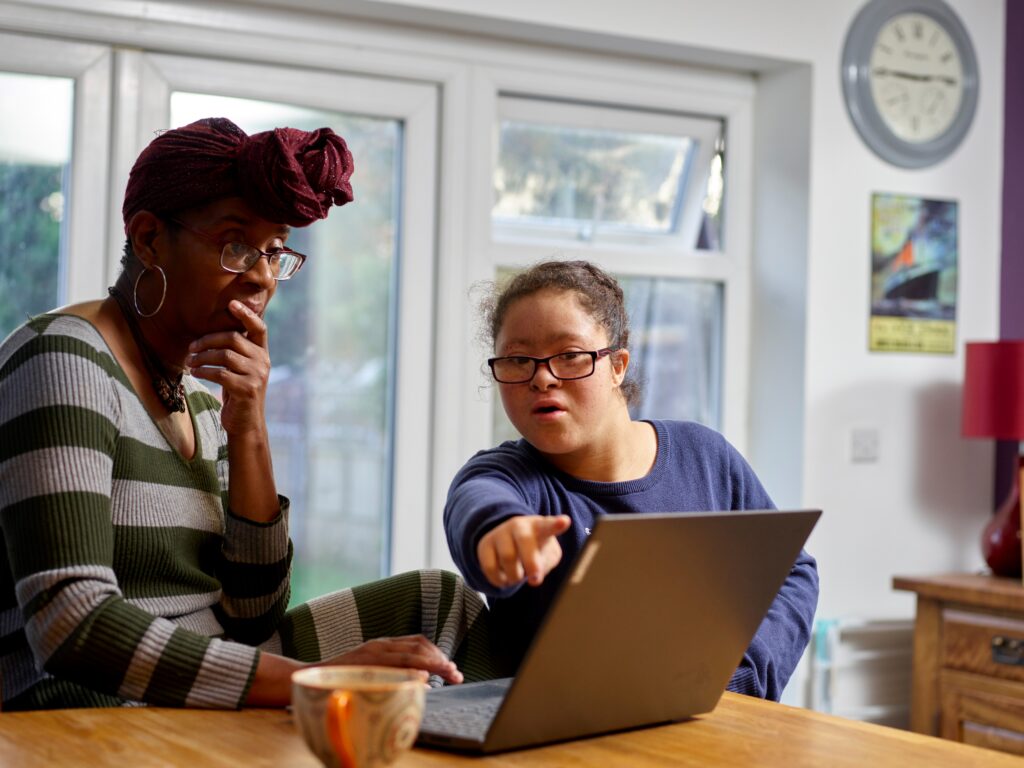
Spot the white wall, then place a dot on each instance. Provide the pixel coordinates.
(779, 281)
(921, 507)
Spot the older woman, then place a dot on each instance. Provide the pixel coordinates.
(147, 555)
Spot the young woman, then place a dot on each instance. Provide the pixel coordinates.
(518, 514)
(147, 556)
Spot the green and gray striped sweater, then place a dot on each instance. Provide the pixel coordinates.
(124, 579)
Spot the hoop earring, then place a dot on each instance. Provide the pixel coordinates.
(135, 292)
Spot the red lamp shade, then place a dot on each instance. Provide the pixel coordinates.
(993, 404)
(994, 407)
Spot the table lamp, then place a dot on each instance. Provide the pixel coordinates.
(993, 406)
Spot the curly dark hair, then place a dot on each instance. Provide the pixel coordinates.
(598, 293)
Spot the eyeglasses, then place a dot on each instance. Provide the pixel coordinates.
(239, 257)
(566, 366)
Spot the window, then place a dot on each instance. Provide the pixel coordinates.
(676, 345)
(594, 174)
(34, 167)
(611, 184)
(472, 160)
(331, 333)
(53, 174)
(349, 332)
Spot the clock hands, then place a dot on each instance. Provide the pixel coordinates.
(883, 72)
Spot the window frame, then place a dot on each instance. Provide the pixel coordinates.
(559, 75)
(89, 67)
(158, 75)
(467, 74)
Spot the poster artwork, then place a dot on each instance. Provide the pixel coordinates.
(913, 274)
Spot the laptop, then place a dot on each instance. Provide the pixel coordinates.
(648, 628)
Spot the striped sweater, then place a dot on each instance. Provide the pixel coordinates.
(120, 568)
(123, 578)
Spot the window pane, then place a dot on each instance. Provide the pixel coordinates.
(35, 152)
(675, 351)
(583, 178)
(677, 347)
(589, 172)
(709, 238)
(330, 400)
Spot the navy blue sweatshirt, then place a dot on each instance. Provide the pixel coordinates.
(696, 470)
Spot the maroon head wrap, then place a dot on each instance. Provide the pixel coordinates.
(286, 175)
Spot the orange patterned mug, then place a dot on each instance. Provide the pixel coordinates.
(357, 716)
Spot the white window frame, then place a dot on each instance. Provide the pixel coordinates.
(729, 266)
(463, 386)
(415, 105)
(89, 66)
(468, 74)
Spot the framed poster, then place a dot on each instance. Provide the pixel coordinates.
(913, 274)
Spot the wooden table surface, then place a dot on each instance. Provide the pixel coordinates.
(740, 732)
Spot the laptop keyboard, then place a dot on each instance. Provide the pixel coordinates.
(468, 721)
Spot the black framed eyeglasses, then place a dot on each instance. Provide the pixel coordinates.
(565, 366)
(239, 257)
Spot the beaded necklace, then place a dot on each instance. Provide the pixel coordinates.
(169, 389)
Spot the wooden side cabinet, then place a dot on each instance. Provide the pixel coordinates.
(968, 678)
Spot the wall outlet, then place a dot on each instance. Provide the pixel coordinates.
(864, 446)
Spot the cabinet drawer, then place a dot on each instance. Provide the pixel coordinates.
(988, 645)
(982, 711)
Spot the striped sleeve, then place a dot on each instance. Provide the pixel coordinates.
(60, 423)
(254, 566)
(255, 572)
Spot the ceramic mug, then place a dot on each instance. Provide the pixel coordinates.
(357, 716)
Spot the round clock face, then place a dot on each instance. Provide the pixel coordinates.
(910, 80)
(916, 77)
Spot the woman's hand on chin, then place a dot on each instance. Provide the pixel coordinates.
(240, 364)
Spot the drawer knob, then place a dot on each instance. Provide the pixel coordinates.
(1008, 650)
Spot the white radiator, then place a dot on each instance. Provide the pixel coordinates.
(861, 669)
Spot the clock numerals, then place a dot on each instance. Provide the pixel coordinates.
(910, 79)
(918, 111)
(933, 103)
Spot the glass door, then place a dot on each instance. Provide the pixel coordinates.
(350, 335)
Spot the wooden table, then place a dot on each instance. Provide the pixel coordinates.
(968, 658)
(740, 732)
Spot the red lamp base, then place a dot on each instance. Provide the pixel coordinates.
(1000, 541)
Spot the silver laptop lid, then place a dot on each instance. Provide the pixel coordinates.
(651, 623)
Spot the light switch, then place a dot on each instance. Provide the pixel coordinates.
(864, 446)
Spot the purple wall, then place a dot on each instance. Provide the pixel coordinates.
(1011, 303)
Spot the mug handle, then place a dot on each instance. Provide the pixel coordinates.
(339, 711)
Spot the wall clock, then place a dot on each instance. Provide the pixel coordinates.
(910, 80)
